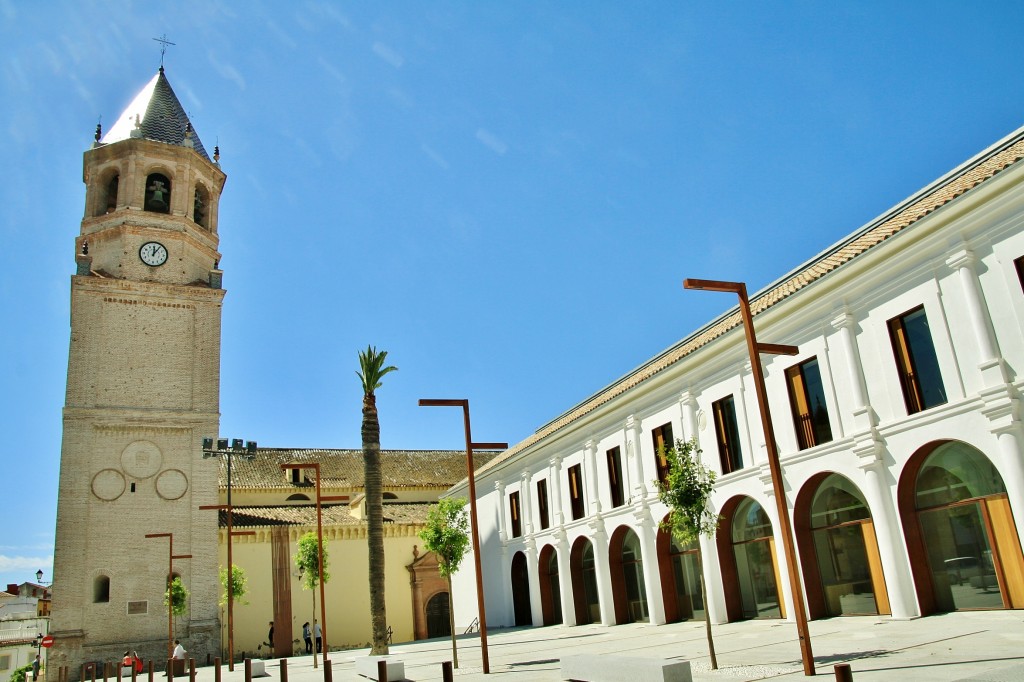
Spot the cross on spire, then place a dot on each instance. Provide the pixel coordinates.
(164, 42)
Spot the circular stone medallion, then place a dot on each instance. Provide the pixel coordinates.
(141, 459)
(171, 484)
(108, 484)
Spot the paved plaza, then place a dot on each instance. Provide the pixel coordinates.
(981, 646)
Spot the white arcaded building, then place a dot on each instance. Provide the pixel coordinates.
(898, 428)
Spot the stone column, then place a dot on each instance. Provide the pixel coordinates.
(533, 570)
(647, 531)
(593, 493)
(633, 453)
(499, 488)
(769, 507)
(1003, 411)
(991, 365)
(565, 578)
(603, 573)
(688, 410)
(713, 580)
(555, 476)
(524, 495)
(863, 416)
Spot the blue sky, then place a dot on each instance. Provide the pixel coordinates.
(505, 196)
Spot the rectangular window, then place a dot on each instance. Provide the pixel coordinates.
(807, 400)
(513, 508)
(576, 491)
(614, 458)
(5, 662)
(915, 359)
(1019, 263)
(542, 503)
(662, 436)
(728, 435)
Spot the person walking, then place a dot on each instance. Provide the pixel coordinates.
(319, 642)
(307, 637)
(35, 668)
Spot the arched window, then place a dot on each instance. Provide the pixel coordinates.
(158, 193)
(628, 589)
(110, 205)
(200, 207)
(584, 582)
(298, 497)
(389, 496)
(101, 590)
(754, 552)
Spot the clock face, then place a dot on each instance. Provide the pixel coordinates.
(153, 253)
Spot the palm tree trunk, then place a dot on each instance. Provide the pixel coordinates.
(375, 523)
(451, 623)
(707, 615)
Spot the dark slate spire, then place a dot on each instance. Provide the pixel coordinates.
(155, 114)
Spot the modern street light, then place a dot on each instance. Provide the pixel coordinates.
(464, 404)
(754, 349)
(315, 466)
(170, 597)
(248, 453)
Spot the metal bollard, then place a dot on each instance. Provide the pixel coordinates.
(382, 671)
(328, 675)
(284, 670)
(192, 670)
(843, 672)
(106, 666)
(135, 671)
(248, 670)
(446, 671)
(170, 670)
(216, 669)
(150, 668)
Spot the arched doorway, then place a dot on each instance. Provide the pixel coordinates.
(438, 616)
(961, 536)
(628, 589)
(841, 564)
(550, 593)
(585, 599)
(681, 575)
(521, 590)
(750, 572)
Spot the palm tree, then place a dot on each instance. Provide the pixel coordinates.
(371, 371)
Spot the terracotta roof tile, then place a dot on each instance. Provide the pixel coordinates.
(333, 515)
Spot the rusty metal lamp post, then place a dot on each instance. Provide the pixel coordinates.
(464, 404)
(170, 597)
(754, 349)
(248, 454)
(315, 466)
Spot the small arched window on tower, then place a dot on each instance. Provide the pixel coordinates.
(101, 590)
(158, 193)
(200, 207)
(110, 205)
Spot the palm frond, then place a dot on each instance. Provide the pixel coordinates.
(371, 369)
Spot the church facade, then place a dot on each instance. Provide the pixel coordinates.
(897, 423)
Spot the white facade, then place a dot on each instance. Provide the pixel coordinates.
(949, 251)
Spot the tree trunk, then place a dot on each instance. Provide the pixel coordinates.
(375, 523)
(451, 624)
(707, 614)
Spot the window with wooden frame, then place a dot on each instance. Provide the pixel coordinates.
(515, 514)
(614, 458)
(542, 503)
(576, 491)
(662, 436)
(916, 362)
(1019, 264)
(807, 401)
(727, 434)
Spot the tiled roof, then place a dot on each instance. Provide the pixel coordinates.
(333, 515)
(961, 180)
(160, 116)
(344, 468)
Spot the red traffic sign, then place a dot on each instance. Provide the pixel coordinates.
(47, 641)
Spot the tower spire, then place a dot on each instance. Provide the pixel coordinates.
(164, 42)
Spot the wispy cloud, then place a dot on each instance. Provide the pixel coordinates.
(24, 563)
(435, 157)
(387, 54)
(226, 70)
(491, 140)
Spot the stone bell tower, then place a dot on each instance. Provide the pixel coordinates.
(143, 389)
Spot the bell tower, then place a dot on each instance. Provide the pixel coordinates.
(142, 391)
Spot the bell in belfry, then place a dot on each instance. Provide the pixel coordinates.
(156, 197)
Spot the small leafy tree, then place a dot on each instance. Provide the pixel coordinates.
(178, 596)
(307, 560)
(239, 585)
(688, 497)
(21, 674)
(447, 536)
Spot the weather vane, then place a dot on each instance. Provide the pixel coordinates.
(164, 42)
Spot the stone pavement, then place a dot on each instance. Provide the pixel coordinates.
(980, 646)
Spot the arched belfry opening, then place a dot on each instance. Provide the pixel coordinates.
(201, 207)
(158, 193)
